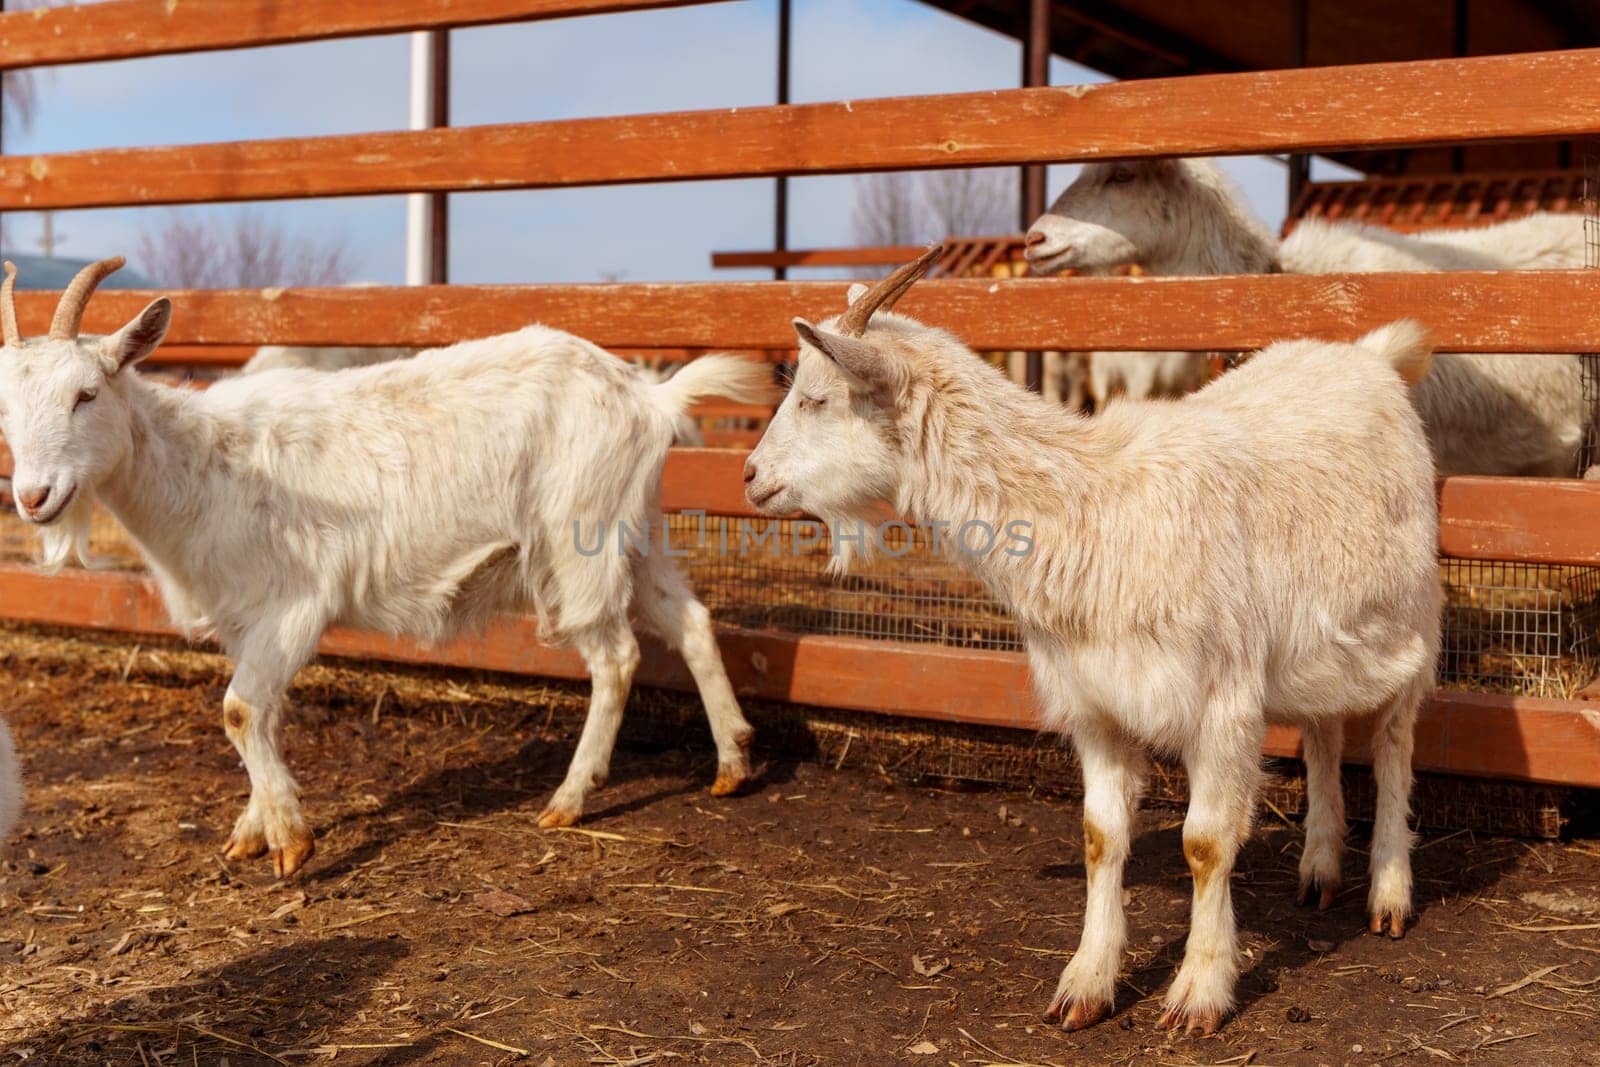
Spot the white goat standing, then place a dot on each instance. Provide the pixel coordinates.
(1261, 550)
(419, 497)
(1484, 414)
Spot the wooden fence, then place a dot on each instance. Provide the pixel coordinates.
(1551, 95)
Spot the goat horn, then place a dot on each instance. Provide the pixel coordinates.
(882, 297)
(8, 307)
(69, 313)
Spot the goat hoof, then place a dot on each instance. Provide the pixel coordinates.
(1193, 1023)
(293, 856)
(1392, 923)
(729, 781)
(1325, 894)
(1078, 1014)
(553, 818)
(244, 846)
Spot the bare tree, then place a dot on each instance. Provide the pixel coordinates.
(245, 251)
(886, 210)
(19, 89)
(900, 209)
(970, 203)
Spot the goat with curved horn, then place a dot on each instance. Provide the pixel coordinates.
(882, 297)
(69, 313)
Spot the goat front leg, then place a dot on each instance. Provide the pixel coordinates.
(1224, 765)
(252, 717)
(611, 653)
(668, 607)
(1389, 896)
(1320, 876)
(1113, 778)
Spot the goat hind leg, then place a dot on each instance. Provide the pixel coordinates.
(1320, 877)
(1224, 769)
(611, 653)
(1389, 895)
(668, 606)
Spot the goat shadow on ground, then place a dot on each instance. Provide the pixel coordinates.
(325, 981)
(531, 773)
(1265, 879)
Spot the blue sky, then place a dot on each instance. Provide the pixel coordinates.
(716, 55)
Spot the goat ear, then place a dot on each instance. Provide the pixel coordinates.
(855, 356)
(857, 291)
(139, 337)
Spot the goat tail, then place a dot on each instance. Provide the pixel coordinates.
(1407, 347)
(741, 380)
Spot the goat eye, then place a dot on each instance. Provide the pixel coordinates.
(1123, 174)
(84, 396)
(812, 403)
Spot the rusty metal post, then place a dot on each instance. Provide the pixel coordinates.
(1458, 155)
(439, 266)
(780, 190)
(1035, 73)
(1299, 165)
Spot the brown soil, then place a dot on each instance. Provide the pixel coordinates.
(825, 917)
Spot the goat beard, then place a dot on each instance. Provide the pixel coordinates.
(851, 548)
(69, 535)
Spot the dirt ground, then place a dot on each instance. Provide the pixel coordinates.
(825, 917)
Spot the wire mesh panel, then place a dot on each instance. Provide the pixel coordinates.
(773, 573)
(1589, 450)
(1529, 629)
(1526, 628)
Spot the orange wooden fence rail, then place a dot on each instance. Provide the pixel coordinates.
(1320, 109)
(1528, 311)
(124, 29)
(1514, 520)
(1535, 520)
(1556, 742)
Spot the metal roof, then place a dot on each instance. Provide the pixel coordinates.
(1427, 202)
(54, 272)
(1168, 38)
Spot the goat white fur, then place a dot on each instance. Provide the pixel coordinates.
(321, 357)
(419, 497)
(335, 357)
(1199, 567)
(1484, 414)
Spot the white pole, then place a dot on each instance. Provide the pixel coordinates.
(419, 206)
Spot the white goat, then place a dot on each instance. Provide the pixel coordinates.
(321, 357)
(1484, 414)
(417, 497)
(686, 430)
(1186, 572)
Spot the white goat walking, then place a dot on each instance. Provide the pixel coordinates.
(686, 430)
(321, 357)
(1261, 550)
(1484, 414)
(419, 497)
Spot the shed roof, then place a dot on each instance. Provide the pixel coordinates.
(1163, 38)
